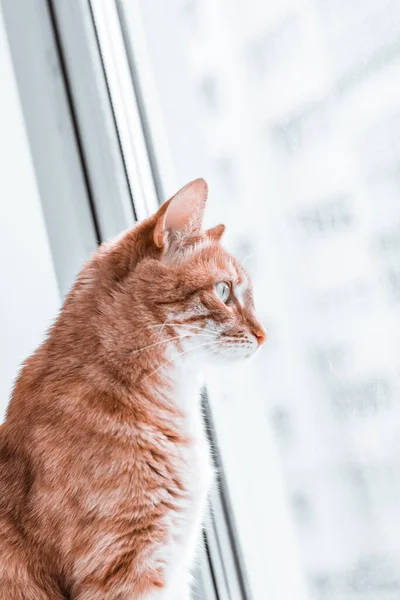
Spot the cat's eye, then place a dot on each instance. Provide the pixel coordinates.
(223, 290)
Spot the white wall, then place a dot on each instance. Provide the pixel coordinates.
(29, 297)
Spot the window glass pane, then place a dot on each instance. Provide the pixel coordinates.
(29, 297)
(291, 111)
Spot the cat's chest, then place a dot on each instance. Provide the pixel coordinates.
(196, 454)
(198, 468)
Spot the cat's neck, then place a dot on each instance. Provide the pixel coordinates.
(184, 383)
(178, 389)
(160, 382)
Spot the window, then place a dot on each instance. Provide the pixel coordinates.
(28, 285)
(290, 110)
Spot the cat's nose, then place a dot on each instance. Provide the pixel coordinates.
(260, 335)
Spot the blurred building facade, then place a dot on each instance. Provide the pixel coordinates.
(299, 106)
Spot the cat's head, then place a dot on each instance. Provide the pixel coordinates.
(190, 296)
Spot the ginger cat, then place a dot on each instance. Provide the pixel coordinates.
(104, 464)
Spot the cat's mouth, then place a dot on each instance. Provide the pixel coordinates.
(216, 346)
(232, 350)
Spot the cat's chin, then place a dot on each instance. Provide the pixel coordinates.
(228, 357)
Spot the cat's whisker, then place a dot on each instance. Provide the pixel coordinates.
(206, 329)
(157, 344)
(162, 328)
(177, 337)
(213, 342)
(168, 362)
(187, 325)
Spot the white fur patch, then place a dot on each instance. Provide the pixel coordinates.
(240, 291)
(179, 554)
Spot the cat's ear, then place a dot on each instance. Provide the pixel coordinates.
(216, 233)
(184, 214)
